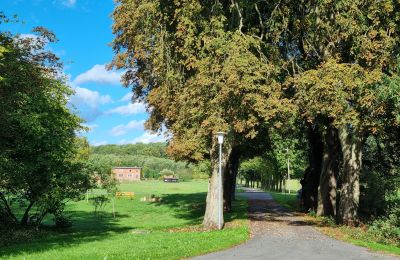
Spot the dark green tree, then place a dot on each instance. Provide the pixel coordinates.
(40, 160)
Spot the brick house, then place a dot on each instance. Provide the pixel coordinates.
(123, 174)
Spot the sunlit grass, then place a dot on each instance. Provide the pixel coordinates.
(169, 229)
(354, 235)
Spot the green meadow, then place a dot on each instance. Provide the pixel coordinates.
(170, 228)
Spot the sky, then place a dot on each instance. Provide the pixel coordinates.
(83, 28)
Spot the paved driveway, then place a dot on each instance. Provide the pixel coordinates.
(279, 234)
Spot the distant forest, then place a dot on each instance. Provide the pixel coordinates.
(151, 157)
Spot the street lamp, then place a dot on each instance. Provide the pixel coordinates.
(220, 137)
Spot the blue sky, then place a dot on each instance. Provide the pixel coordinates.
(83, 28)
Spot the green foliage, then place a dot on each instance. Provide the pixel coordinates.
(104, 158)
(386, 230)
(164, 172)
(40, 160)
(151, 149)
(99, 202)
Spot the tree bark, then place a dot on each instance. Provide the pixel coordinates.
(351, 143)
(213, 204)
(310, 181)
(230, 179)
(24, 220)
(6, 211)
(328, 179)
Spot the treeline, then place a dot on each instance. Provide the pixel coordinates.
(151, 157)
(151, 149)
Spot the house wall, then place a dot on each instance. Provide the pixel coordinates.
(127, 174)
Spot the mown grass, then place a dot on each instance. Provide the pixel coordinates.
(354, 235)
(169, 229)
(286, 200)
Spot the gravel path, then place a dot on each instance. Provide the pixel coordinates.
(279, 234)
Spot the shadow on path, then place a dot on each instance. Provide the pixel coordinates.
(280, 234)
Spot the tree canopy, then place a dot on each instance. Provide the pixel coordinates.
(40, 159)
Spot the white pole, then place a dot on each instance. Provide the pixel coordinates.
(87, 196)
(220, 188)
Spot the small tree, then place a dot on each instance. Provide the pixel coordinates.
(166, 172)
(40, 159)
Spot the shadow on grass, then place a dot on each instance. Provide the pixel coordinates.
(86, 228)
(192, 206)
(189, 206)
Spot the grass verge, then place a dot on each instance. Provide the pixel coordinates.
(168, 229)
(354, 235)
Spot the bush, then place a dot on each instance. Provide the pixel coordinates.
(387, 229)
(165, 172)
(99, 203)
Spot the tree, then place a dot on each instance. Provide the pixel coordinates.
(198, 73)
(41, 160)
(337, 52)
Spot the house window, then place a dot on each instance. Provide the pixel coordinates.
(129, 175)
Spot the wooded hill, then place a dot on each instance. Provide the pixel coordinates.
(151, 157)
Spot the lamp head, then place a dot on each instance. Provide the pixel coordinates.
(220, 137)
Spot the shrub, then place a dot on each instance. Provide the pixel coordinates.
(387, 229)
(165, 172)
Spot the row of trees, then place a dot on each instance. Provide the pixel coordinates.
(321, 71)
(271, 170)
(42, 161)
(151, 149)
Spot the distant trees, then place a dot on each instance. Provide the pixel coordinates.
(151, 149)
(103, 158)
(41, 158)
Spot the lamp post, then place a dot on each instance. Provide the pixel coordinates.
(220, 137)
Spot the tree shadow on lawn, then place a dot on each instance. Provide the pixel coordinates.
(86, 228)
(191, 207)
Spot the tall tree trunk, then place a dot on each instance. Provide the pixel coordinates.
(25, 218)
(6, 212)
(310, 181)
(351, 143)
(230, 179)
(328, 179)
(214, 205)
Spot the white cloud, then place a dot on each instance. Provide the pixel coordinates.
(124, 129)
(148, 137)
(127, 97)
(99, 74)
(87, 102)
(130, 109)
(84, 96)
(69, 3)
(97, 143)
(27, 35)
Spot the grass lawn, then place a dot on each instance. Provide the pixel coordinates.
(354, 235)
(287, 200)
(170, 229)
